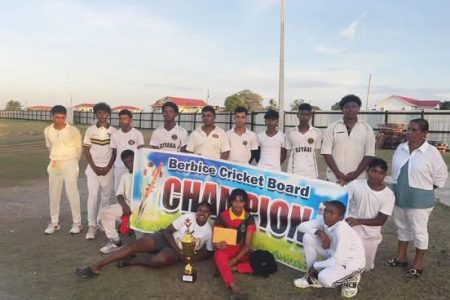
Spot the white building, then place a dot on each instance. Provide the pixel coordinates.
(395, 102)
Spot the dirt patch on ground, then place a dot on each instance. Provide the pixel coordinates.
(35, 266)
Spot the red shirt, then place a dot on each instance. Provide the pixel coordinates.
(225, 220)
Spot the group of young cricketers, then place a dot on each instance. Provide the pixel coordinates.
(337, 249)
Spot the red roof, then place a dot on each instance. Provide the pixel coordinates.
(119, 108)
(182, 101)
(421, 103)
(40, 107)
(84, 105)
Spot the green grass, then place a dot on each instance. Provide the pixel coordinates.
(23, 155)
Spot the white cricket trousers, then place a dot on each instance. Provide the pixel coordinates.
(370, 242)
(332, 276)
(108, 217)
(118, 172)
(59, 172)
(95, 183)
(412, 225)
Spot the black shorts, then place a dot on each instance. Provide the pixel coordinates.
(160, 241)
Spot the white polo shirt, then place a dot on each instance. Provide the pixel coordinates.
(97, 139)
(125, 141)
(426, 166)
(125, 184)
(242, 146)
(270, 155)
(169, 140)
(202, 233)
(348, 150)
(302, 159)
(64, 144)
(365, 203)
(208, 146)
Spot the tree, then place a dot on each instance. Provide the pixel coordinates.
(335, 106)
(13, 105)
(297, 102)
(245, 98)
(272, 105)
(444, 105)
(295, 105)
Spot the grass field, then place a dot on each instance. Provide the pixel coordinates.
(36, 266)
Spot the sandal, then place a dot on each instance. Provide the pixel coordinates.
(394, 262)
(86, 272)
(414, 273)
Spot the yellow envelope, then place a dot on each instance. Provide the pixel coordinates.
(228, 235)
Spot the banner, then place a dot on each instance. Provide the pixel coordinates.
(167, 184)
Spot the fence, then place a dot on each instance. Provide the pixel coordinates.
(439, 120)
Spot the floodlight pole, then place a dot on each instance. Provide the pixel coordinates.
(281, 75)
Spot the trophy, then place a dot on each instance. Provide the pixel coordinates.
(188, 245)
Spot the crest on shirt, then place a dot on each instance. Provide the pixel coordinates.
(174, 137)
(215, 135)
(131, 142)
(310, 141)
(243, 228)
(244, 143)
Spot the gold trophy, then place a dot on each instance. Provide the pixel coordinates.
(188, 245)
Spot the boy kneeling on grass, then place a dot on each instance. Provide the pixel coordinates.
(340, 246)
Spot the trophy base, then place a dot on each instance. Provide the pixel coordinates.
(190, 278)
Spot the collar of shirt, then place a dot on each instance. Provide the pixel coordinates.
(98, 125)
(234, 217)
(422, 148)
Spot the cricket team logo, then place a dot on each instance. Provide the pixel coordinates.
(174, 137)
(310, 141)
(131, 142)
(245, 143)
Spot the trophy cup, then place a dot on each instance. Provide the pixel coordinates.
(188, 245)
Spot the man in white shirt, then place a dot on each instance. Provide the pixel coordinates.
(243, 142)
(209, 141)
(64, 143)
(126, 138)
(348, 144)
(272, 151)
(170, 136)
(100, 169)
(302, 141)
(331, 238)
(165, 244)
(370, 204)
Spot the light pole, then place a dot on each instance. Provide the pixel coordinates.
(281, 75)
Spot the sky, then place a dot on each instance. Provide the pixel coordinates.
(135, 52)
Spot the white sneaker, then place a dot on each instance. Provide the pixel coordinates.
(350, 287)
(306, 282)
(51, 228)
(76, 228)
(92, 230)
(111, 246)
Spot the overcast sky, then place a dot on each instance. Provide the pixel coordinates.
(135, 52)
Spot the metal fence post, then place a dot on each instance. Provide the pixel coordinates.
(195, 120)
(151, 119)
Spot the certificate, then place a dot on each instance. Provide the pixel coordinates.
(228, 235)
